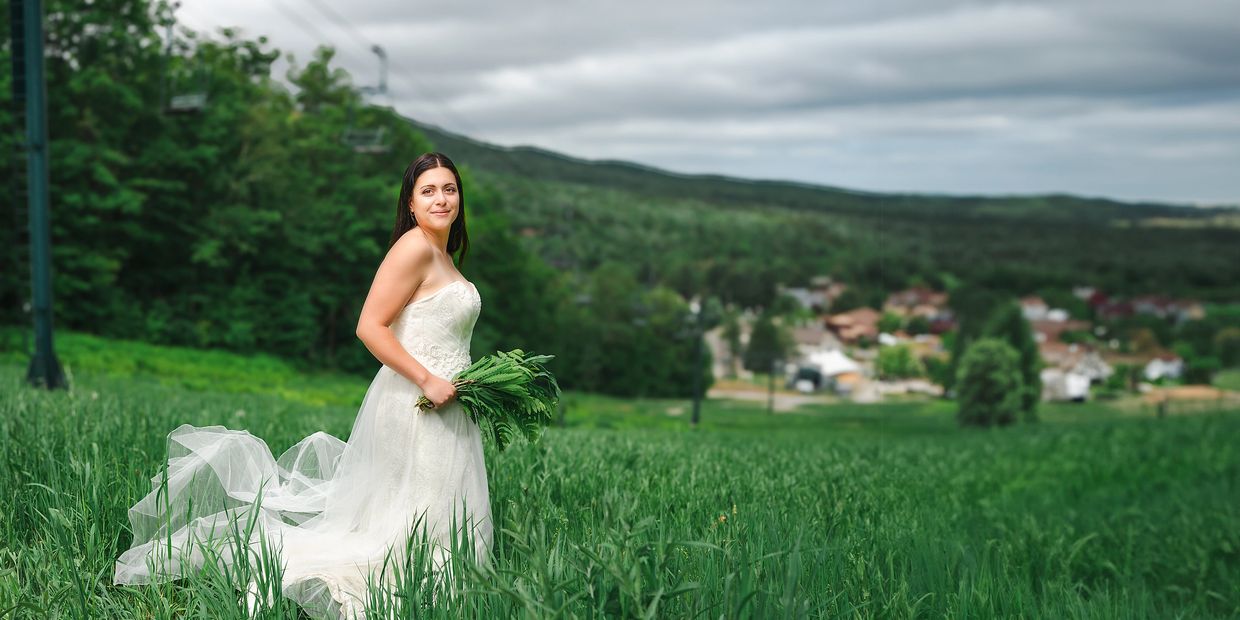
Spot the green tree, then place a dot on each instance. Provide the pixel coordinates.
(890, 322)
(898, 362)
(1008, 324)
(972, 305)
(848, 299)
(1227, 346)
(989, 385)
(918, 325)
(766, 345)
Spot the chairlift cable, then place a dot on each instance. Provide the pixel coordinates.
(343, 23)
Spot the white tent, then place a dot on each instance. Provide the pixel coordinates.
(831, 363)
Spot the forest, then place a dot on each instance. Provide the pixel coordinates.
(250, 222)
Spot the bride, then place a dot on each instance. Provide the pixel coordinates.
(340, 514)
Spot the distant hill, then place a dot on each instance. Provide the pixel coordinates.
(538, 163)
(740, 238)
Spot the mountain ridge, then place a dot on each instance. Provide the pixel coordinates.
(541, 162)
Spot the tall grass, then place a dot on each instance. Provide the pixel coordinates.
(844, 512)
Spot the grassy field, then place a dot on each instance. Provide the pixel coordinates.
(836, 511)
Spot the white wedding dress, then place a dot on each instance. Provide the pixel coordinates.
(335, 510)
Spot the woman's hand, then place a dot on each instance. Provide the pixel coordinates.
(438, 390)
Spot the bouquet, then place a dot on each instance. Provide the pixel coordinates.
(511, 392)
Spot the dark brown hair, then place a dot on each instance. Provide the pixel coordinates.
(458, 237)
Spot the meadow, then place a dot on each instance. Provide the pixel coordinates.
(877, 511)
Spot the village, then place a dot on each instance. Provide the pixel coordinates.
(838, 354)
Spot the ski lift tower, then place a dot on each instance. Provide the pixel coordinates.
(185, 100)
(369, 139)
(29, 84)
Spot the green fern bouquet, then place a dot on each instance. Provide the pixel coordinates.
(511, 392)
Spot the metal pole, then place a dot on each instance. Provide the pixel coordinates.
(697, 372)
(44, 368)
(770, 386)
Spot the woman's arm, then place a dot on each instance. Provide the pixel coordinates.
(400, 274)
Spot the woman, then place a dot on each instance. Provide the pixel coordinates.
(341, 513)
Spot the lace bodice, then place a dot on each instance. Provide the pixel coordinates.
(436, 329)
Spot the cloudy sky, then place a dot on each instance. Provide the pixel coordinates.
(1130, 99)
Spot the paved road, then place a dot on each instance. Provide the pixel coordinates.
(784, 401)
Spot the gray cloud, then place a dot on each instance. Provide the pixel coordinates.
(1123, 99)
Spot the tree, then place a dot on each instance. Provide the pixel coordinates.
(989, 384)
(1227, 346)
(898, 362)
(890, 322)
(1008, 324)
(848, 299)
(1144, 340)
(918, 325)
(766, 345)
(972, 304)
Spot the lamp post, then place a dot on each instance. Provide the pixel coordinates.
(770, 386)
(695, 307)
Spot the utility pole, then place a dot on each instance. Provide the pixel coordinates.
(26, 28)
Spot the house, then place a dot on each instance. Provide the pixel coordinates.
(1083, 292)
(812, 338)
(1090, 365)
(1059, 384)
(811, 299)
(926, 344)
(916, 301)
(944, 322)
(1167, 365)
(1165, 307)
(1107, 308)
(1047, 330)
(1080, 359)
(829, 288)
(1033, 308)
(855, 324)
(1070, 369)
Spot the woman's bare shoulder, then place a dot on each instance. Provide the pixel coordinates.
(412, 247)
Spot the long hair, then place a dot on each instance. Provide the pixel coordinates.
(458, 236)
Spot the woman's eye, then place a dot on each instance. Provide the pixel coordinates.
(451, 190)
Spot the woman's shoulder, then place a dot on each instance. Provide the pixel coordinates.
(412, 246)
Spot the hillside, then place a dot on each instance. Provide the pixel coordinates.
(738, 238)
(546, 165)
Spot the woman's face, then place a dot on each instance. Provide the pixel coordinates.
(436, 199)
